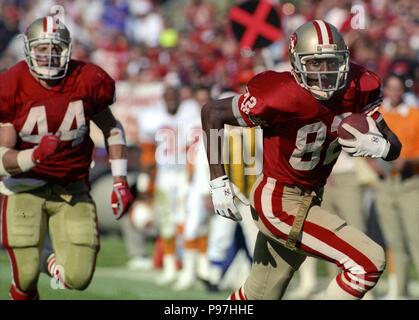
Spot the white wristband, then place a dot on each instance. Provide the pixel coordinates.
(119, 167)
(24, 160)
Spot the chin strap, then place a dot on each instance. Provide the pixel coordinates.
(318, 94)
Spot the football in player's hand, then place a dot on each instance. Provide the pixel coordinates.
(355, 120)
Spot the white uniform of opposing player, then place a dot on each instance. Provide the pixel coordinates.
(172, 134)
(222, 231)
(196, 226)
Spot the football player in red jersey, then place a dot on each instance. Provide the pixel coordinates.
(46, 103)
(299, 112)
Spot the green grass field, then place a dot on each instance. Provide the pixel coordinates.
(113, 281)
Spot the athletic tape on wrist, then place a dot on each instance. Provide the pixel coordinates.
(3, 171)
(119, 167)
(117, 135)
(218, 182)
(24, 160)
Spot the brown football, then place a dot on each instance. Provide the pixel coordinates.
(356, 120)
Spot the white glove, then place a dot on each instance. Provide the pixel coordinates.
(227, 198)
(371, 144)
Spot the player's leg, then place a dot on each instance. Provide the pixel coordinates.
(23, 234)
(220, 238)
(195, 231)
(135, 242)
(187, 275)
(409, 205)
(250, 231)
(323, 235)
(391, 224)
(165, 209)
(348, 195)
(307, 284)
(343, 197)
(360, 259)
(75, 238)
(272, 270)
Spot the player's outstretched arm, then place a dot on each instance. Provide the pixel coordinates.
(226, 197)
(117, 151)
(13, 162)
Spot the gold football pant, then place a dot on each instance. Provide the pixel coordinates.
(323, 235)
(70, 215)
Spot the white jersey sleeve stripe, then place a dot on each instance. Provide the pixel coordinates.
(236, 112)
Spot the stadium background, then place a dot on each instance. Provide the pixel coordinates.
(142, 43)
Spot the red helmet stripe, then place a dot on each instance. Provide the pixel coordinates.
(329, 33)
(45, 24)
(54, 25)
(319, 32)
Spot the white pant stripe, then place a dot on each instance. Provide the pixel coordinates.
(307, 239)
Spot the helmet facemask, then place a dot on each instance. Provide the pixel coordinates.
(58, 52)
(322, 84)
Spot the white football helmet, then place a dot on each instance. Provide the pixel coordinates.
(48, 30)
(319, 40)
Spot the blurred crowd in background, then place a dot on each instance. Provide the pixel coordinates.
(190, 41)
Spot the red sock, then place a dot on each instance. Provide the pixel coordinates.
(16, 294)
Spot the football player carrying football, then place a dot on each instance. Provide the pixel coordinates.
(46, 103)
(299, 112)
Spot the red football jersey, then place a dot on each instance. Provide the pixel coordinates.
(300, 143)
(66, 108)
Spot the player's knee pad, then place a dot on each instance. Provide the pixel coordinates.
(79, 282)
(380, 258)
(23, 223)
(78, 278)
(81, 225)
(360, 278)
(373, 262)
